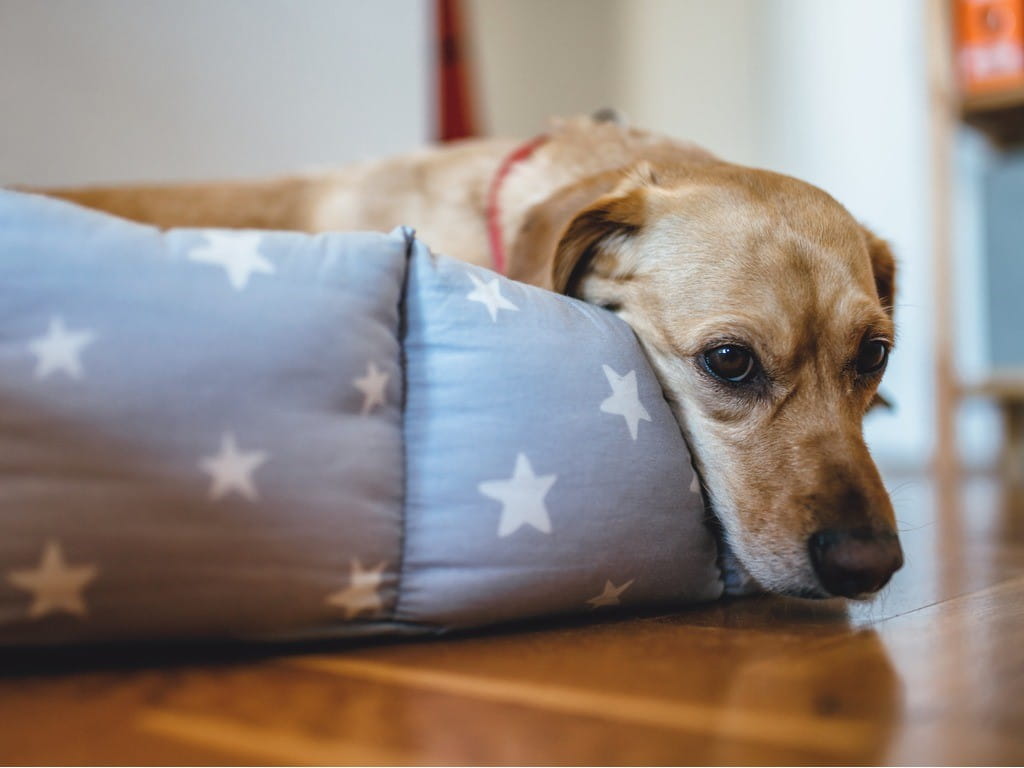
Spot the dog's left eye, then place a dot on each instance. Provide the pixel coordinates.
(872, 356)
(732, 363)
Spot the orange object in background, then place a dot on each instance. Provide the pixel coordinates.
(990, 44)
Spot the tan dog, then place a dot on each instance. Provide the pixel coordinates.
(764, 307)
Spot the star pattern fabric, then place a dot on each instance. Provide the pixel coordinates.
(238, 253)
(59, 350)
(624, 400)
(256, 446)
(521, 497)
(362, 595)
(610, 595)
(373, 386)
(231, 470)
(55, 585)
(489, 294)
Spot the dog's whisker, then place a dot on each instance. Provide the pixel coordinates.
(909, 484)
(911, 529)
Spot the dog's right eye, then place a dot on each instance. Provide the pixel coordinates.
(731, 363)
(872, 356)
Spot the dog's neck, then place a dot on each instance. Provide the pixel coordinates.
(495, 235)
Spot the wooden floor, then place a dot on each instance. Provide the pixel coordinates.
(930, 672)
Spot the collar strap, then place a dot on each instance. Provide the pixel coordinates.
(516, 156)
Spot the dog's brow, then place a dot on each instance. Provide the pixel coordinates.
(881, 329)
(724, 330)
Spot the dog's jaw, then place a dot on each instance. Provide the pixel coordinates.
(736, 579)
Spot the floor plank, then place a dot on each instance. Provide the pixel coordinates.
(930, 672)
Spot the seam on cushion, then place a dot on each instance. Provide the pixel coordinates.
(403, 326)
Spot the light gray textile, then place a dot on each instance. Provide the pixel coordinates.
(272, 435)
(543, 462)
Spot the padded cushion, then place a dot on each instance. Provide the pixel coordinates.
(542, 459)
(165, 361)
(273, 435)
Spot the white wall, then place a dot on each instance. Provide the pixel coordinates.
(537, 58)
(683, 66)
(109, 90)
(690, 68)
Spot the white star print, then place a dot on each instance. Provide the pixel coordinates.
(362, 593)
(625, 400)
(55, 585)
(372, 386)
(521, 497)
(611, 594)
(237, 252)
(59, 350)
(232, 469)
(489, 294)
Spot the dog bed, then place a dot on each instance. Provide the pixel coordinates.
(271, 435)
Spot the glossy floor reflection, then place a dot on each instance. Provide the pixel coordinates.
(932, 671)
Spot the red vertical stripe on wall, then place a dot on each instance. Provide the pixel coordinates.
(455, 111)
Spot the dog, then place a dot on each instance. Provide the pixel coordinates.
(764, 307)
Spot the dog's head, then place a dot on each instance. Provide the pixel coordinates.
(766, 310)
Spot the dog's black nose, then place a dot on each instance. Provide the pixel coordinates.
(855, 561)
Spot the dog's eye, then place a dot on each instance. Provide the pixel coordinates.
(731, 363)
(872, 356)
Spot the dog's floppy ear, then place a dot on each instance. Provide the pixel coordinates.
(531, 251)
(612, 217)
(883, 264)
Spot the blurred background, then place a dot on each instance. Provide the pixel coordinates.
(906, 111)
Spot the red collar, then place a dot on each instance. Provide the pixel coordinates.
(516, 156)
